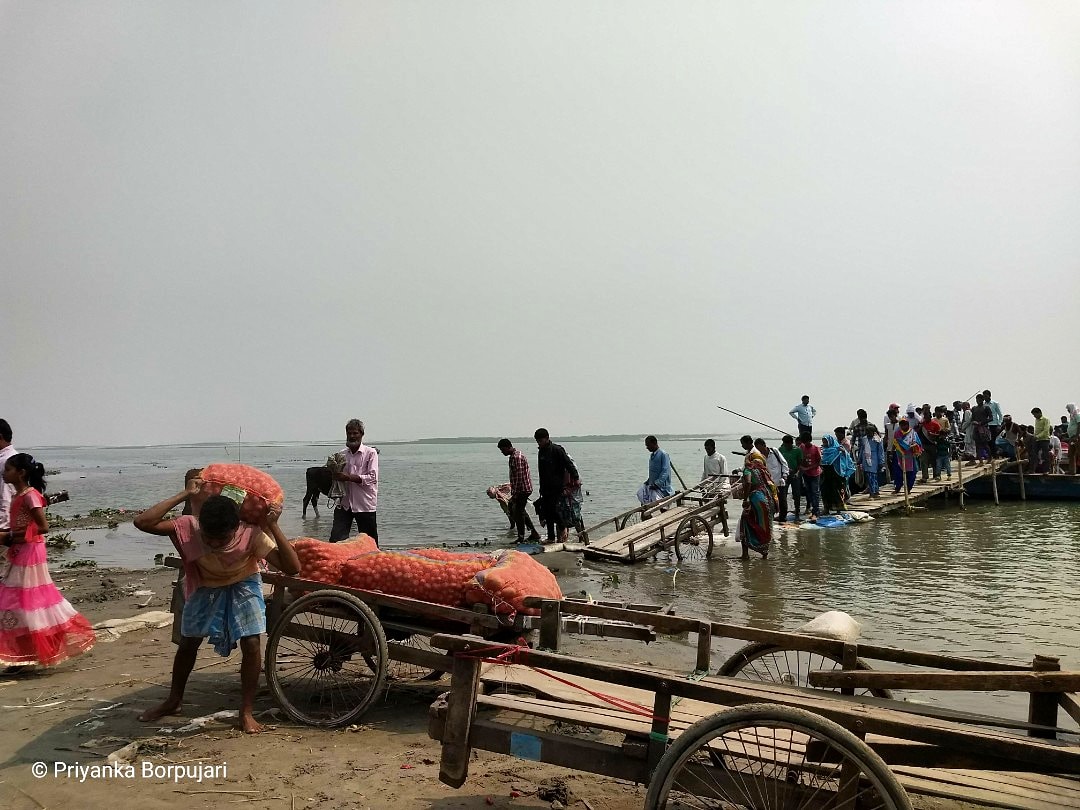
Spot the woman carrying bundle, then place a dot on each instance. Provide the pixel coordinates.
(836, 468)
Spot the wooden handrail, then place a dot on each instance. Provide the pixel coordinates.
(987, 681)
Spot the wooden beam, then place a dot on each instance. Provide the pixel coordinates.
(992, 681)
(460, 712)
(1070, 702)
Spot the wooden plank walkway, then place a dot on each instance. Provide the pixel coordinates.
(888, 502)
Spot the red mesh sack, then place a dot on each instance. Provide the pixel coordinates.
(254, 490)
(321, 561)
(505, 585)
(451, 556)
(402, 573)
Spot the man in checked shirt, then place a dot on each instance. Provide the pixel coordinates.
(520, 490)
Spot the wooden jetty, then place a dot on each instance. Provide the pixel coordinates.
(987, 473)
(1014, 484)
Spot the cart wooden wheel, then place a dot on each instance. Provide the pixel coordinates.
(767, 757)
(326, 659)
(771, 663)
(689, 544)
(630, 520)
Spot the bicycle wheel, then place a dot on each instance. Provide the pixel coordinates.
(767, 757)
(693, 540)
(771, 663)
(326, 659)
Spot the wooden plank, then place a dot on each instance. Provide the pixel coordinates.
(1044, 755)
(460, 711)
(415, 607)
(931, 783)
(1070, 702)
(991, 681)
(559, 749)
(550, 624)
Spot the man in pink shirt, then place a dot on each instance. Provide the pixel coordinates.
(361, 477)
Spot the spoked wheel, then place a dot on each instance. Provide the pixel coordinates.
(767, 757)
(693, 540)
(773, 664)
(326, 659)
(629, 520)
(405, 672)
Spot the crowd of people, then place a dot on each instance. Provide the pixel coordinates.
(920, 440)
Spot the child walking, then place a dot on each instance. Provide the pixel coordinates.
(37, 624)
(223, 588)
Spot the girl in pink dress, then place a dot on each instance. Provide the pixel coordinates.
(37, 624)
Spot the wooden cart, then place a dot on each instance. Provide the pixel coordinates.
(683, 523)
(331, 650)
(762, 743)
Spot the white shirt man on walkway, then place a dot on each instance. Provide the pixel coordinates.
(804, 414)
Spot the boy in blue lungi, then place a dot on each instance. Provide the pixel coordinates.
(223, 588)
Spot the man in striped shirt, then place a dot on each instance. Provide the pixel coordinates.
(520, 489)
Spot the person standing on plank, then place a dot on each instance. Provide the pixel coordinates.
(521, 488)
(804, 414)
(361, 478)
(658, 485)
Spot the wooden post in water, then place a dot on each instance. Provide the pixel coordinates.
(960, 473)
(1043, 706)
(903, 474)
(1020, 469)
(993, 480)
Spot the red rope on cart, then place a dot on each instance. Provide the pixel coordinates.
(518, 653)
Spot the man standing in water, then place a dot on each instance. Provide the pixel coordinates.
(658, 484)
(552, 465)
(361, 477)
(804, 414)
(520, 489)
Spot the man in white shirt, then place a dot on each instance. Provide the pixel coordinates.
(716, 467)
(7, 491)
(361, 477)
(715, 463)
(804, 413)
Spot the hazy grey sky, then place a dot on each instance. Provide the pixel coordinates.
(461, 218)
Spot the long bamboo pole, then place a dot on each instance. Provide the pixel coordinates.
(750, 418)
(678, 476)
(1020, 469)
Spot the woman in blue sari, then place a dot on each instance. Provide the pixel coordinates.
(836, 468)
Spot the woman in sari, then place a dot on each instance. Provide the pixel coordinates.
(568, 508)
(908, 449)
(759, 504)
(836, 468)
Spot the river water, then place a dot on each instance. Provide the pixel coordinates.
(999, 582)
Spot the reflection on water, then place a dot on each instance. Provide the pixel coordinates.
(997, 582)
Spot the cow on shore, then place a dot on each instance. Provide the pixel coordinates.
(320, 481)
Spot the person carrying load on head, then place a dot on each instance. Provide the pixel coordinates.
(223, 588)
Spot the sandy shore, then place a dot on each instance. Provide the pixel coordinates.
(81, 711)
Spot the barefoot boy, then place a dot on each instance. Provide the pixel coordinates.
(223, 588)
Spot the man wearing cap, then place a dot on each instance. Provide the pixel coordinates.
(361, 478)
